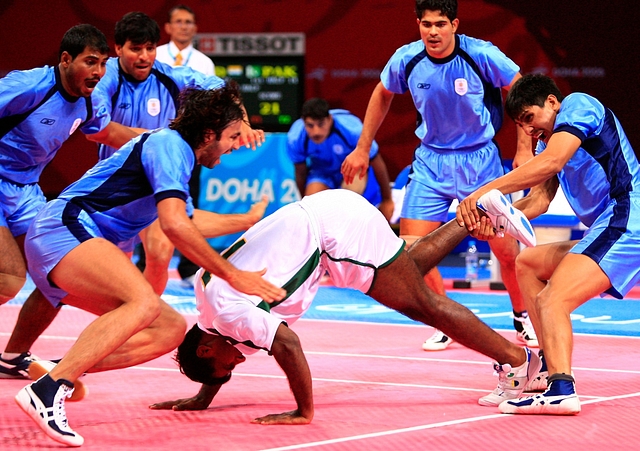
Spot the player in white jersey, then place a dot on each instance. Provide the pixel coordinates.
(339, 232)
(581, 146)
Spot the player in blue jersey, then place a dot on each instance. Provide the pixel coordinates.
(583, 148)
(39, 110)
(455, 82)
(141, 92)
(319, 142)
(74, 259)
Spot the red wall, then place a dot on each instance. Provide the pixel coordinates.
(348, 42)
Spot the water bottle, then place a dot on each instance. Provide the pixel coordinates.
(471, 262)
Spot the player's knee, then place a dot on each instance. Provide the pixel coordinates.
(524, 262)
(171, 327)
(409, 240)
(159, 253)
(10, 286)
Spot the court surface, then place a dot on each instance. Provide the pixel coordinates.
(374, 388)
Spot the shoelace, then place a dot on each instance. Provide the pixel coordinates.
(59, 413)
(501, 370)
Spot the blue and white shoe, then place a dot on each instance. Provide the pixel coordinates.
(559, 399)
(43, 401)
(506, 218)
(511, 381)
(16, 368)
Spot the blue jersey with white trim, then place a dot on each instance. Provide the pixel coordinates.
(37, 116)
(327, 157)
(605, 165)
(458, 98)
(148, 104)
(120, 193)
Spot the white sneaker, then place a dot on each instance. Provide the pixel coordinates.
(43, 401)
(512, 381)
(527, 335)
(437, 342)
(506, 218)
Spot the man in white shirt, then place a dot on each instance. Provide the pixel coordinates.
(181, 29)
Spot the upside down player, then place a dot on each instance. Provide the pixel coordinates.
(332, 231)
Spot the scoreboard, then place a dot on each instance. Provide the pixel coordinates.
(269, 68)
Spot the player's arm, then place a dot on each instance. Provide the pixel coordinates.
(542, 167)
(187, 238)
(115, 135)
(537, 201)
(212, 224)
(382, 177)
(249, 137)
(524, 143)
(287, 351)
(357, 162)
(198, 402)
(301, 171)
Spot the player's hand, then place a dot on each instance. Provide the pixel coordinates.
(251, 138)
(486, 230)
(257, 210)
(194, 403)
(252, 283)
(292, 417)
(356, 164)
(467, 212)
(386, 208)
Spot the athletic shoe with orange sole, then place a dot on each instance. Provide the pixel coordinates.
(39, 368)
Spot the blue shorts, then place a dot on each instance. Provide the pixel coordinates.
(20, 204)
(615, 252)
(49, 240)
(437, 178)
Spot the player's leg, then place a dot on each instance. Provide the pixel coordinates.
(577, 279)
(506, 250)
(534, 267)
(158, 251)
(13, 270)
(315, 187)
(399, 286)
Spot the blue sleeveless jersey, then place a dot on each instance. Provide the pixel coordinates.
(120, 193)
(148, 104)
(605, 166)
(36, 117)
(458, 98)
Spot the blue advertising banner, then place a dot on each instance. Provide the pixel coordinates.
(243, 177)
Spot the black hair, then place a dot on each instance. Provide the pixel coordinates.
(448, 8)
(203, 111)
(80, 37)
(138, 28)
(315, 108)
(183, 8)
(530, 90)
(196, 368)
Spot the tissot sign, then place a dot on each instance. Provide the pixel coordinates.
(243, 44)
